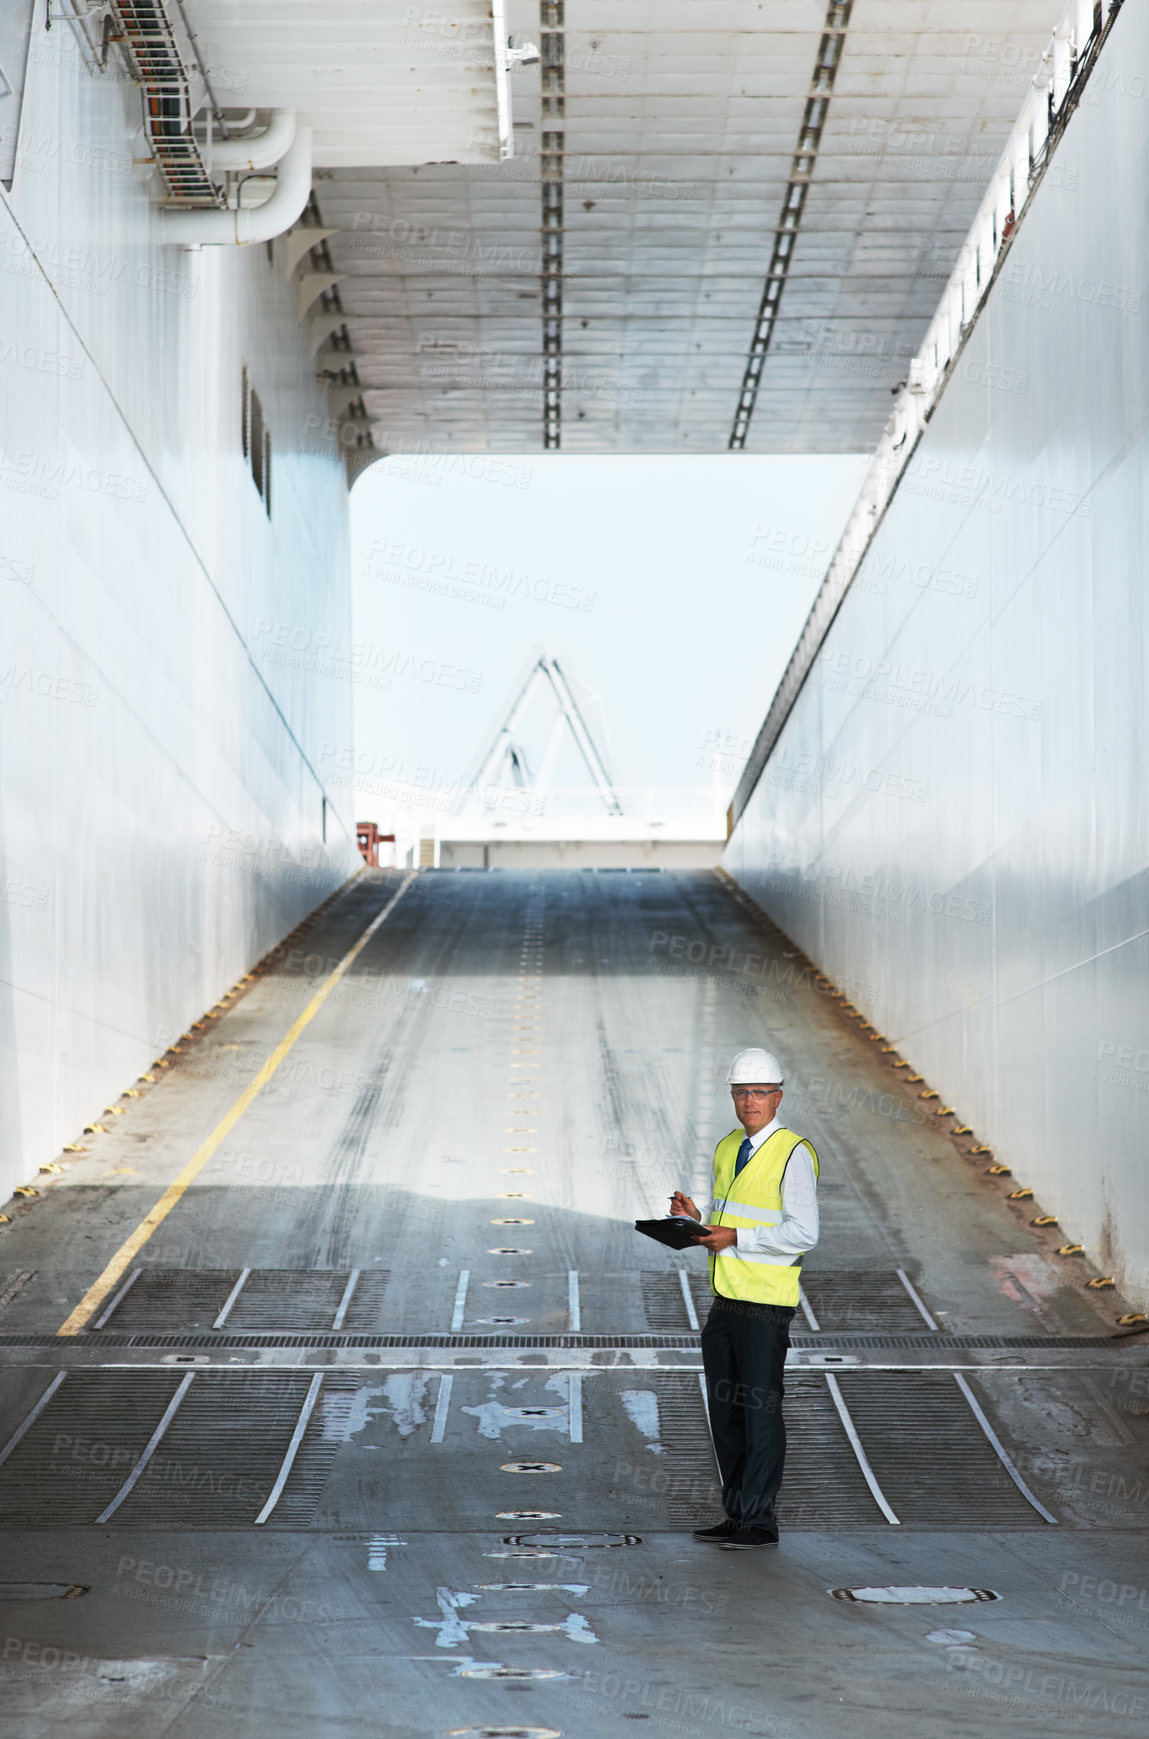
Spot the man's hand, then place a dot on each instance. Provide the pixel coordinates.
(682, 1204)
(718, 1238)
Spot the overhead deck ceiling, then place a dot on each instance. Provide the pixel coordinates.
(619, 262)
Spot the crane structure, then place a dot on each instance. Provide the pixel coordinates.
(505, 760)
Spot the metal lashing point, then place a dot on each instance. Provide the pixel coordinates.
(984, 1148)
(25, 1189)
(1132, 1319)
(94, 1129)
(1019, 1195)
(531, 1467)
(73, 1147)
(943, 1111)
(962, 1129)
(912, 1078)
(1101, 1283)
(1070, 1250)
(1044, 1220)
(997, 1170)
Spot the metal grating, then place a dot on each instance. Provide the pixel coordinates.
(214, 1467)
(270, 1300)
(662, 1302)
(75, 1457)
(686, 1471)
(823, 1486)
(929, 1455)
(148, 43)
(687, 1342)
(860, 1302)
(826, 64)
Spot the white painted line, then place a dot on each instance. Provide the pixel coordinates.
(999, 1450)
(460, 1300)
(688, 1298)
(575, 1306)
(575, 1408)
(811, 1319)
(442, 1408)
(152, 1446)
(706, 1416)
(21, 1430)
(859, 1452)
(912, 1290)
(348, 1294)
(292, 1450)
(231, 1298)
(120, 1295)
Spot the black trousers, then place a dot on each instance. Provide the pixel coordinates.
(744, 1354)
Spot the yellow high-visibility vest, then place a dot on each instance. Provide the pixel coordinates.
(754, 1198)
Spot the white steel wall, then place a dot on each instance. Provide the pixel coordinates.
(955, 812)
(161, 819)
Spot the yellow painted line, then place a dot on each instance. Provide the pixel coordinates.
(96, 1293)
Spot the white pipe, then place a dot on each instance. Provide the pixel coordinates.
(252, 223)
(258, 153)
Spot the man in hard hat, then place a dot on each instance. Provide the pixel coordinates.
(762, 1220)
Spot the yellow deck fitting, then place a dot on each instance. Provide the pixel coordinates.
(1131, 1319)
(962, 1129)
(1071, 1250)
(903, 1065)
(94, 1129)
(1044, 1220)
(113, 1111)
(943, 1110)
(915, 1077)
(25, 1189)
(1101, 1283)
(131, 1093)
(997, 1170)
(73, 1147)
(984, 1148)
(51, 1165)
(1019, 1195)
(930, 1092)
(5, 1219)
(162, 1063)
(145, 1077)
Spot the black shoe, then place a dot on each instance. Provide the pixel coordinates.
(718, 1534)
(746, 1539)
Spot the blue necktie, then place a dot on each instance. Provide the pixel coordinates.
(743, 1159)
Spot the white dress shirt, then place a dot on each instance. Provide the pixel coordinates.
(797, 1231)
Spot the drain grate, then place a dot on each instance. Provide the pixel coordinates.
(929, 1455)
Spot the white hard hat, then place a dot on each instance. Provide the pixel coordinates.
(755, 1067)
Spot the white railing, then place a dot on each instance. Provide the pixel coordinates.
(1064, 66)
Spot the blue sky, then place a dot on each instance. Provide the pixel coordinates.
(672, 589)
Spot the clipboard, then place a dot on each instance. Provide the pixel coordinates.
(677, 1231)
